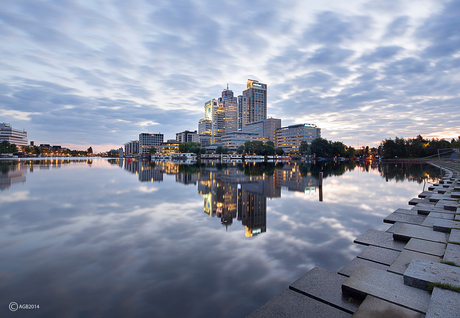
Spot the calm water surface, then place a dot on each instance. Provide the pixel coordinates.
(112, 238)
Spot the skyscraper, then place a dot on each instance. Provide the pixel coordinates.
(230, 105)
(254, 102)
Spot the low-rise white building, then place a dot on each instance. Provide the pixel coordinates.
(13, 136)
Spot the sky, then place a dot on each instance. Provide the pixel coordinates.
(99, 73)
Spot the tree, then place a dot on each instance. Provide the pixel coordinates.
(152, 150)
(303, 147)
(6, 147)
(279, 151)
(240, 149)
(89, 150)
(202, 150)
(219, 149)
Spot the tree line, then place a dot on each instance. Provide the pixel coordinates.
(418, 147)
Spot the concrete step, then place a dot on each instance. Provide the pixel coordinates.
(386, 286)
(443, 225)
(420, 273)
(373, 307)
(405, 218)
(416, 201)
(438, 197)
(379, 255)
(394, 227)
(443, 303)
(425, 194)
(454, 236)
(325, 286)
(380, 239)
(452, 253)
(404, 258)
(408, 231)
(426, 247)
(292, 304)
(356, 263)
(447, 205)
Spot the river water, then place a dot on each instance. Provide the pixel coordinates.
(118, 238)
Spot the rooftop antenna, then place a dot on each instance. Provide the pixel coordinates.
(227, 86)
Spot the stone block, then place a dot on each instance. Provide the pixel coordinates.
(443, 225)
(404, 258)
(416, 201)
(394, 227)
(439, 197)
(380, 239)
(373, 307)
(429, 221)
(425, 194)
(441, 215)
(421, 273)
(291, 304)
(379, 255)
(326, 287)
(387, 286)
(408, 231)
(405, 218)
(452, 253)
(447, 205)
(454, 236)
(427, 247)
(443, 303)
(356, 263)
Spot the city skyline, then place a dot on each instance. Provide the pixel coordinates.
(97, 75)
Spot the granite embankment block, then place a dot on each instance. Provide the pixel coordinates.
(426, 247)
(325, 286)
(379, 255)
(416, 201)
(427, 208)
(387, 286)
(405, 218)
(408, 231)
(455, 195)
(454, 236)
(442, 215)
(452, 253)
(404, 258)
(380, 239)
(292, 304)
(394, 227)
(373, 307)
(439, 197)
(421, 273)
(447, 205)
(425, 194)
(443, 303)
(356, 263)
(443, 225)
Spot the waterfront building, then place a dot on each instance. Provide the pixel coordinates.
(240, 112)
(254, 102)
(131, 147)
(13, 136)
(187, 136)
(237, 138)
(204, 140)
(147, 141)
(204, 132)
(169, 147)
(266, 128)
(229, 104)
(289, 138)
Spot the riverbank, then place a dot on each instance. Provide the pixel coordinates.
(392, 275)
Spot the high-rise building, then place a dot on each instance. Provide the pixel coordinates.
(230, 105)
(187, 136)
(254, 102)
(147, 141)
(13, 136)
(132, 147)
(266, 128)
(289, 138)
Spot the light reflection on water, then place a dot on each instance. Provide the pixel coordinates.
(113, 238)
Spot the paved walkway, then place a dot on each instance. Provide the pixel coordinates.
(391, 276)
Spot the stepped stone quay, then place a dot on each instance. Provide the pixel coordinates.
(410, 270)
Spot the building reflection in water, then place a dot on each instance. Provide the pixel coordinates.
(231, 193)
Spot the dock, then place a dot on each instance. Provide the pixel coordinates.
(410, 270)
